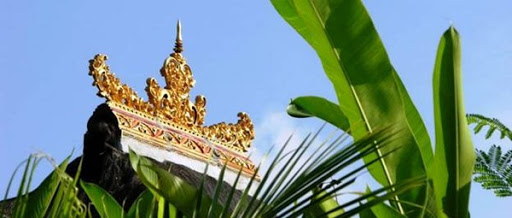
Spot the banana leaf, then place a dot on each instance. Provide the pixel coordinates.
(307, 106)
(368, 89)
(455, 154)
(380, 210)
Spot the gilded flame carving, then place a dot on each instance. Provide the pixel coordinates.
(171, 104)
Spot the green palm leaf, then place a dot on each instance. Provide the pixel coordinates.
(494, 171)
(275, 195)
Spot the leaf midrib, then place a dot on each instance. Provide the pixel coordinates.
(457, 128)
(356, 98)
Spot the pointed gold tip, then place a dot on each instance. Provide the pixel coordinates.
(178, 47)
(178, 31)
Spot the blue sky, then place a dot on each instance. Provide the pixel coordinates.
(244, 58)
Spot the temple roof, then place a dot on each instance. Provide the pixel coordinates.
(169, 126)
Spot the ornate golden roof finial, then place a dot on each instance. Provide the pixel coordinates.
(178, 47)
(169, 118)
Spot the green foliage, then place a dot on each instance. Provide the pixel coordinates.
(105, 204)
(56, 195)
(293, 191)
(323, 205)
(143, 206)
(370, 94)
(494, 171)
(493, 123)
(381, 210)
(307, 106)
(454, 154)
(172, 188)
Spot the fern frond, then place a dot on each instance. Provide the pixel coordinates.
(494, 171)
(493, 123)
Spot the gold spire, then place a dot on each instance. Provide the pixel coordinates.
(178, 46)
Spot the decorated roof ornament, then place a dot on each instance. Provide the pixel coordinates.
(168, 120)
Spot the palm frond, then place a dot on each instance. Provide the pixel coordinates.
(494, 171)
(493, 123)
(290, 187)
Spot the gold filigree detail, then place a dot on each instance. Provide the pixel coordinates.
(235, 136)
(169, 137)
(171, 104)
(111, 88)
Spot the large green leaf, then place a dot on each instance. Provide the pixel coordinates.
(369, 91)
(307, 106)
(174, 189)
(55, 193)
(380, 210)
(40, 199)
(322, 207)
(455, 155)
(105, 204)
(143, 206)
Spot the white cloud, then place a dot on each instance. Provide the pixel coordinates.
(275, 128)
(272, 132)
